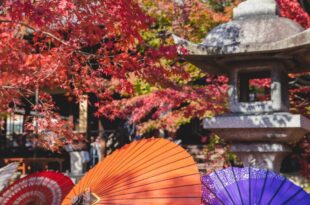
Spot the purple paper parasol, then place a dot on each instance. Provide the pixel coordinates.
(251, 186)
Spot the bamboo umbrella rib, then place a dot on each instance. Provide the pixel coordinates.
(149, 172)
(132, 169)
(136, 184)
(159, 181)
(121, 156)
(45, 187)
(107, 192)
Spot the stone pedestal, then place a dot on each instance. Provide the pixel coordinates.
(273, 127)
(261, 155)
(260, 140)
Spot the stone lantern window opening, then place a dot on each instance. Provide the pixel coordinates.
(249, 93)
(241, 95)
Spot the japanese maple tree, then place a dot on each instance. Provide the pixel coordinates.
(98, 47)
(79, 46)
(190, 94)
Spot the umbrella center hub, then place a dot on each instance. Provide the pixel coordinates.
(85, 198)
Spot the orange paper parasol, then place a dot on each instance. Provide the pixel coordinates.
(149, 171)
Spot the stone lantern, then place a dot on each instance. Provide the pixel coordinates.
(257, 43)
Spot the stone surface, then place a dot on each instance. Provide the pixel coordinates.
(261, 155)
(255, 7)
(219, 54)
(279, 91)
(277, 127)
(255, 37)
(253, 30)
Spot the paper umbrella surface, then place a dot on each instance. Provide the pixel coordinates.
(149, 171)
(251, 186)
(42, 188)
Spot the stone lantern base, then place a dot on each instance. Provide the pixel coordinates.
(260, 140)
(261, 155)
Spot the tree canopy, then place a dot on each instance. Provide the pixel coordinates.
(119, 51)
(104, 48)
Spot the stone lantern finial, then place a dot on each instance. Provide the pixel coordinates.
(254, 8)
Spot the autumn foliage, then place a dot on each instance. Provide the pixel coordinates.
(77, 46)
(119, 51)
(291, 9)
(99, 47)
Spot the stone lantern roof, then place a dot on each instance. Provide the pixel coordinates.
(256, 33)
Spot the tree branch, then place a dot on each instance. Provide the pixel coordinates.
(35, 30)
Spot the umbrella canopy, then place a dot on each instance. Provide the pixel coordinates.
(149, 171)
(249, 186)
(6, 173)
(42, 188)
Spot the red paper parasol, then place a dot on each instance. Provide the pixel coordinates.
(42, 188)
(145, 172)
